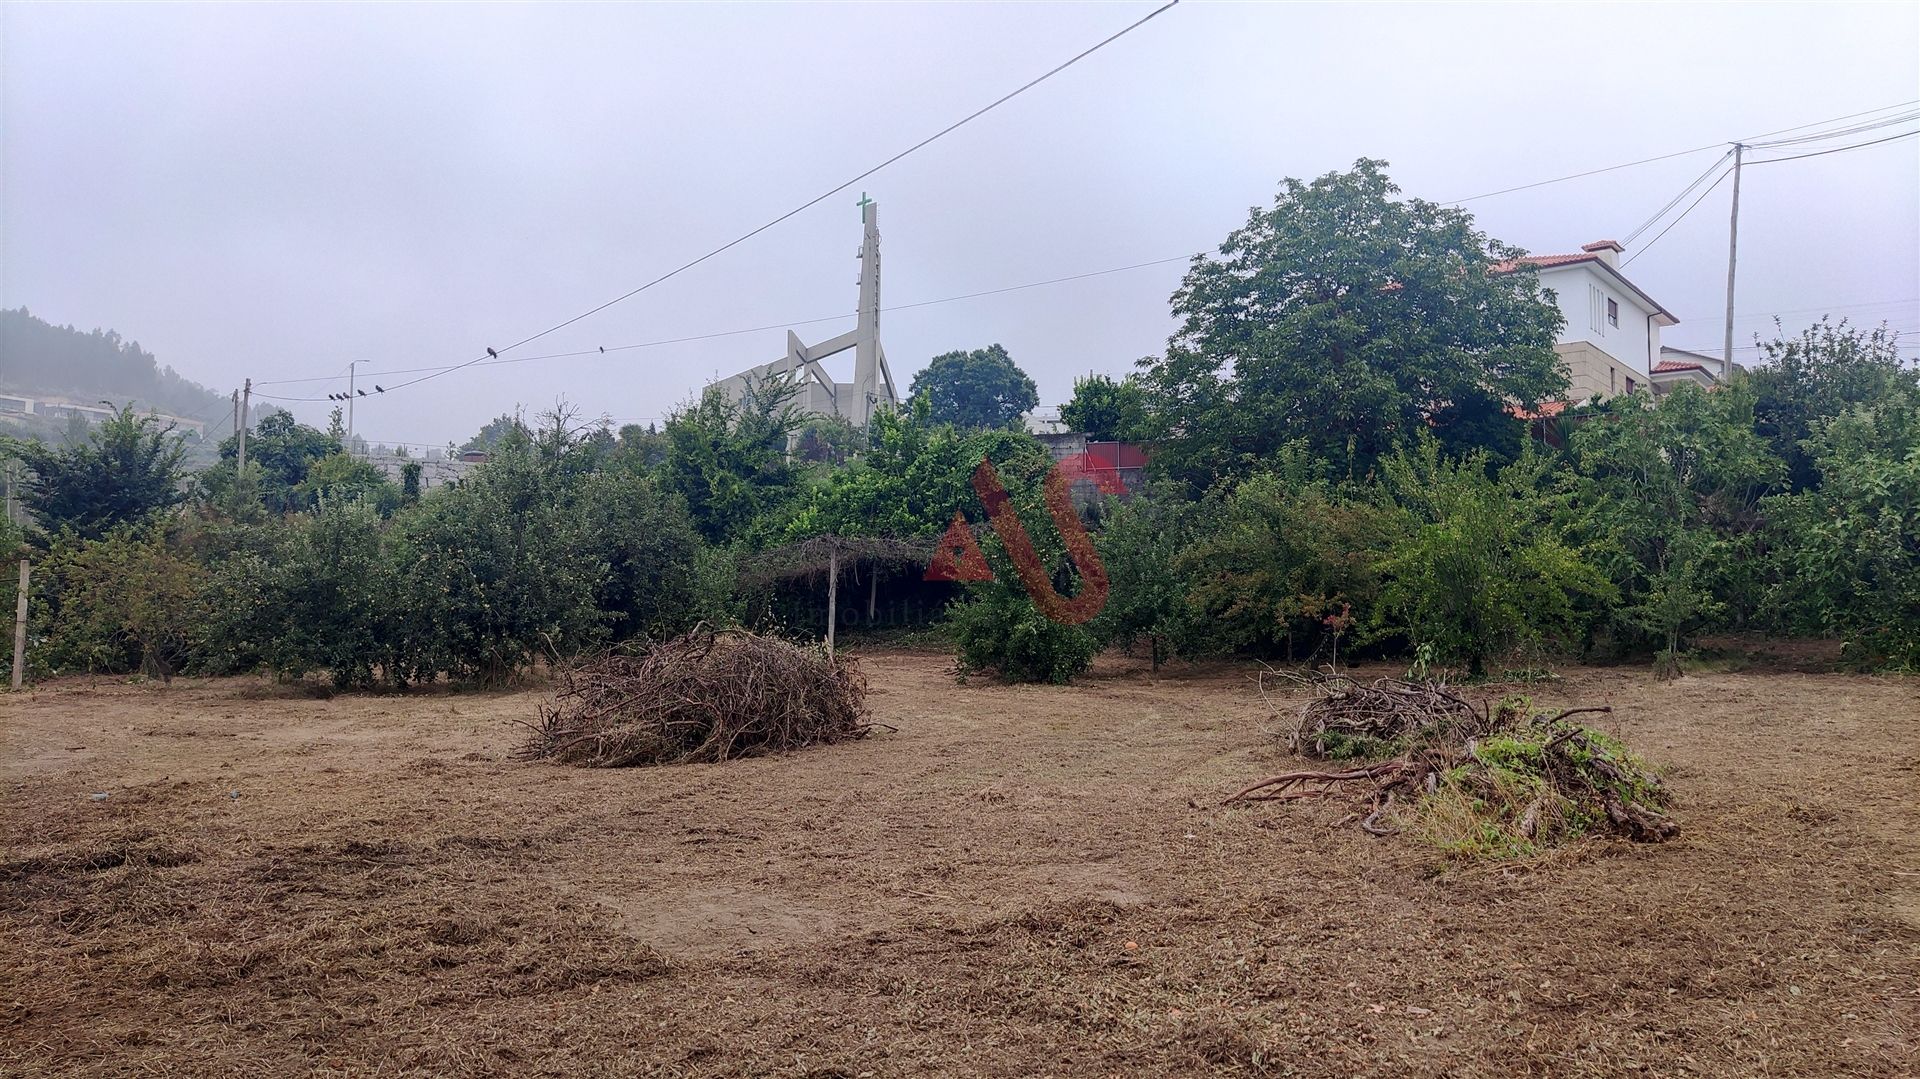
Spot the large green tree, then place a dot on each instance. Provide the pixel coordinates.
(126, 471)
(280, 453)
(976, 390)
(1106, 409)
(727, 459)
(1825, 372)
(1351, 319)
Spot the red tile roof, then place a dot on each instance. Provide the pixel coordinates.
(1677, 365)
(1547, 410)
(1540, 262)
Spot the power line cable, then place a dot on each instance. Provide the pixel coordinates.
(1840, 132)
(1677, 220)
(732, 333)
(1832, 120)
(1664, 157)
(1835, 150)
(816, 200)
(1675, 201)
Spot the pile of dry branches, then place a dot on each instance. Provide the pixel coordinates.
(1346, 719)
(709, 695)
(1515, 777)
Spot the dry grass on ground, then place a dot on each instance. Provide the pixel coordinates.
(1019, 881)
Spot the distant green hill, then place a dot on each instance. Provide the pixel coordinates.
(41, 360)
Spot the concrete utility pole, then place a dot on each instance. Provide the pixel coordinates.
(236, 412)
(20, 628)
(246, 405)
(353, 367)
(1733, 251)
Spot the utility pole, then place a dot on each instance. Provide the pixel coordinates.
(236, 412)
(20, 628)
(1733, 251)
(353, 367)
(246, 406)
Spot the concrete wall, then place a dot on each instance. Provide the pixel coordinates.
(1591, 370)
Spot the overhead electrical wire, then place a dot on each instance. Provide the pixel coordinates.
(1835, 150)
(730, 333)
(1682, 217)
(492, 353)
(1667, 157)
(1675, 201)
(493, 357)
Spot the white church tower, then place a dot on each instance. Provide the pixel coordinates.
(872, 387)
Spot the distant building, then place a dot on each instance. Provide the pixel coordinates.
(872, 387)
(435, 470)
(1123, 461)
(1611, 341)
(61, 408)
(1677, 365)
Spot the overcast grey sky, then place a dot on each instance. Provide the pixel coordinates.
(274, 190)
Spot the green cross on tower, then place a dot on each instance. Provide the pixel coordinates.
(863, 204)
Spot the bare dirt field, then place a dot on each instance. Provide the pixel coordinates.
(1018, 881)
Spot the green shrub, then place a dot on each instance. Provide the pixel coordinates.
(1480, 571)
(999, 630)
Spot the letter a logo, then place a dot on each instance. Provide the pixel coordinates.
(958, 557)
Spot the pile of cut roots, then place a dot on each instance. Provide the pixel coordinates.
(1494, 778)
(710, 695)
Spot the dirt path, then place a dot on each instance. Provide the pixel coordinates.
(1020, 881)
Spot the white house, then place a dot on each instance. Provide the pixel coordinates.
(1611, 340)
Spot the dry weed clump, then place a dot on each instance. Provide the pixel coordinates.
(709, 695)
(1489, 780)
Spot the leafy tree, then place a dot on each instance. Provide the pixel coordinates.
(124, 602)
(1668, 502)
(727, 459)
(334, 602)
(280, 451)
(500, 570)
(128, 471)
(828, 439)
(1283, 552)
(1106, 410)
(1826, 372)
(998, 629)
(410, 483)
(493, 431)
(914, 477)
(1140, 544)
(1480, 571)
(975, 390)
(652, 586)
(1846, 554)
(1354, 321)
(345, 477)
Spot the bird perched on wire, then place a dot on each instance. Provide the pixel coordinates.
(362, 393)
(492, 353)
(603, 348)
(377, 388)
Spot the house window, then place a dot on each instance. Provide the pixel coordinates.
(1613, 380)
(1630, 385)
(1613, 312)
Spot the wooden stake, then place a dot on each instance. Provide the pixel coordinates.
(20, 628)
(833, 596)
